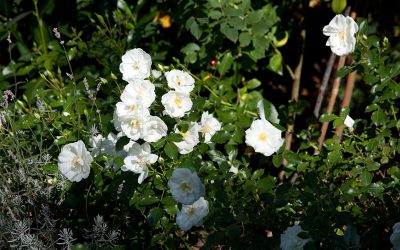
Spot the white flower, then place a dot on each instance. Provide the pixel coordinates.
(137, 92)
(137, 159)
(395, 237)
(192, 215)
(290, 239)
(74, 161)
(341, 32)
(124, 110)
(349, 122)
(133, 126)
(264, 137)
(176, 104)
(180, 81)
(209, 126)
(135, 64)
(100, 145)
(185, 186)
(154, 129)
(190, 139)
(117, 122)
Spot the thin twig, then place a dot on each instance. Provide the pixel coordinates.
(332, 101)
(295, 97)
(324, 84)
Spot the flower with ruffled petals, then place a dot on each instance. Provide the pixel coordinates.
(341, 32)
(154, 129)
(185, 186)
(74, 161)
(137, 159)
(192, 215)
(136, 64)
(176, 104)
(133, 126)
(190, 139)
(180, 81)
(290, 239)
(139, 92)
(209, 126)
(264, 137)
(395, 236)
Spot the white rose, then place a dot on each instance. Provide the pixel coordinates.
(264, 137)
(290, 239)
(154, 129)
(185, 186)
(139, 91)
(209, 126)
(136, 64)
(180, 81)
(137, 159)
(341, 32)
(176, 104)
(74, 161)
(192, 215)
(190, 139)
(133, 126)
(349, 122)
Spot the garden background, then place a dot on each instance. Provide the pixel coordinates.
(60, 81)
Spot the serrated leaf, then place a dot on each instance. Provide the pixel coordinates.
(343, 71)
(195, 30)
(275, 63)
(244, 39)
(379, 117)
(154, 216)
(171, 150)
(327, 117)
(365, 178)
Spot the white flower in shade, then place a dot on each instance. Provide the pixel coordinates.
(185, 186)
(176, 104)
(137, 159)
(154, 129)
(209, 126)
(117, 121)
(100, 145)
(349, 122)
(180, 81)
(137, 92)
(190, 138)
(290, 239)
(133, 126)
(395, 237)
(264, 137)
(74, 161)
(136, 64)
(192, 215)
(341, 32)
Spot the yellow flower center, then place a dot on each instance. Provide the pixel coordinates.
(191, 211)
(185, 187)
(206, 129)
(76, 162)
(135, 124)
(132, 108)
(262, 137)
(342, 35)
(178, 101)
(135, 66)
(178, 81)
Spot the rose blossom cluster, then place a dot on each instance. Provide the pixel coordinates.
(187, 188)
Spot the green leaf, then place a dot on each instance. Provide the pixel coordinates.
(244, 39)
(373, 166)
(253, 83)
(344, 71)
(171, 150)
(327, 117)
(148, 200)
(338, 6)
(214, 14)
(254, 17)
(154, 216)
(379, 117)
(195, 30)
(216, 156)
(226, 63)
(266, 184)
(275, 63)
(365, 178)
(257, 174)
(230, 33)
(335, 157)
(121, 143)
(221, 137)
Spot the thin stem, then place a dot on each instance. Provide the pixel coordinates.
(332, 101)
(324, 84)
